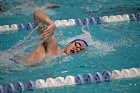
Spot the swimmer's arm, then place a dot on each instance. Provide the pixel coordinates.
(52, 5)
(49, 31)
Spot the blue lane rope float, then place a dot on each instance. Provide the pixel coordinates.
(79, 79)
(20, 86)
(78, 21)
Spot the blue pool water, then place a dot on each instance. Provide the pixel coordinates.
(111, 46)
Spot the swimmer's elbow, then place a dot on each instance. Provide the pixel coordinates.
(30, 60)
(42, 17)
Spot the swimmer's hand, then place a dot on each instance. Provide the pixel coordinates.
(48, 32)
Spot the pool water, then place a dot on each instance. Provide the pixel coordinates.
(111, 46)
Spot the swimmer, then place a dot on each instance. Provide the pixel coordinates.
(46, 6)
(2, 8)
(50, 47)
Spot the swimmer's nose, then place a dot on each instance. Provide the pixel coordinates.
(78, 49)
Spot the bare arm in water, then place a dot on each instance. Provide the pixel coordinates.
(48, 5)
(2, 8)
(49, 45)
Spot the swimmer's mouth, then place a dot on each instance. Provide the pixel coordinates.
(72, 51)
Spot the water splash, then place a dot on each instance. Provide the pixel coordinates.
(6, 65)
(94, 7)
(16, 54)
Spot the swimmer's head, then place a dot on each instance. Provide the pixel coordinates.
(2, 8)
(76, 46)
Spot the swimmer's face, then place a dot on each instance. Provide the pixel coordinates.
(74, 47)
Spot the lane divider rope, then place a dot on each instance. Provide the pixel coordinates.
(78, 21)
(79, 79)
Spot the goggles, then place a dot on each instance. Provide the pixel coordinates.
(78, 45)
